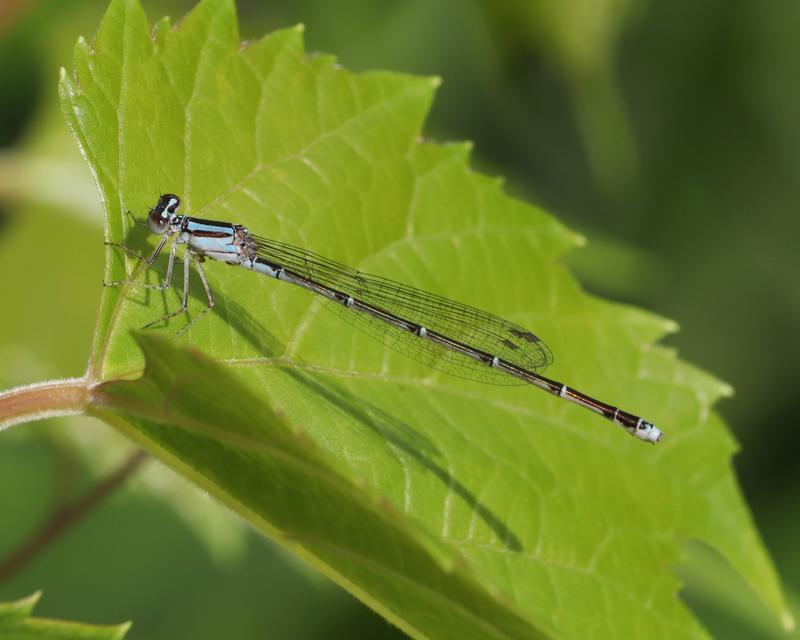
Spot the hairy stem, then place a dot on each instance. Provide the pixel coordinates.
(65, 517)
(43, 400)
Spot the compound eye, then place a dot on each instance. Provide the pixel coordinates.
(157, 222)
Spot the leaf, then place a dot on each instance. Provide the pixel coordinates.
(453, 509)
(578, 37)
(265, 471)
(17, 623)
(578, 40)
(725, 604)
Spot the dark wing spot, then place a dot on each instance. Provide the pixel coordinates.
(524, 335)
(510, 344)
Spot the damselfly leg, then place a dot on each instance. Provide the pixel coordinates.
(118, 245)
(167, 282)
(144, 263)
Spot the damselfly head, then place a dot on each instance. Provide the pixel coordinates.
(162, 213)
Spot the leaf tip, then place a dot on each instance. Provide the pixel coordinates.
(787, 621)
(435, 81)
(26, 605)
(122, 630)
(162, 28)
(82, 49)
(300, 27)
(34, 598)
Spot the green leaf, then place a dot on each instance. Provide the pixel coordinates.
(579, 39)
(725, 604)
(17, 623)
(452, 508)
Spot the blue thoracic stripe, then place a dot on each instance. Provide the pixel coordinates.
(208, 226)
(208, 223)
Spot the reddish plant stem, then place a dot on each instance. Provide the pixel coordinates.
(44, 400)
(67, 516)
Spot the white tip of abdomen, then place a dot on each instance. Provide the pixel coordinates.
(647, 431)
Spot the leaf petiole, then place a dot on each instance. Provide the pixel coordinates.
(53, 398)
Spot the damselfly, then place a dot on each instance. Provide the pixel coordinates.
(444, 334)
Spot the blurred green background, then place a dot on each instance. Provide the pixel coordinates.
(666, 132)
